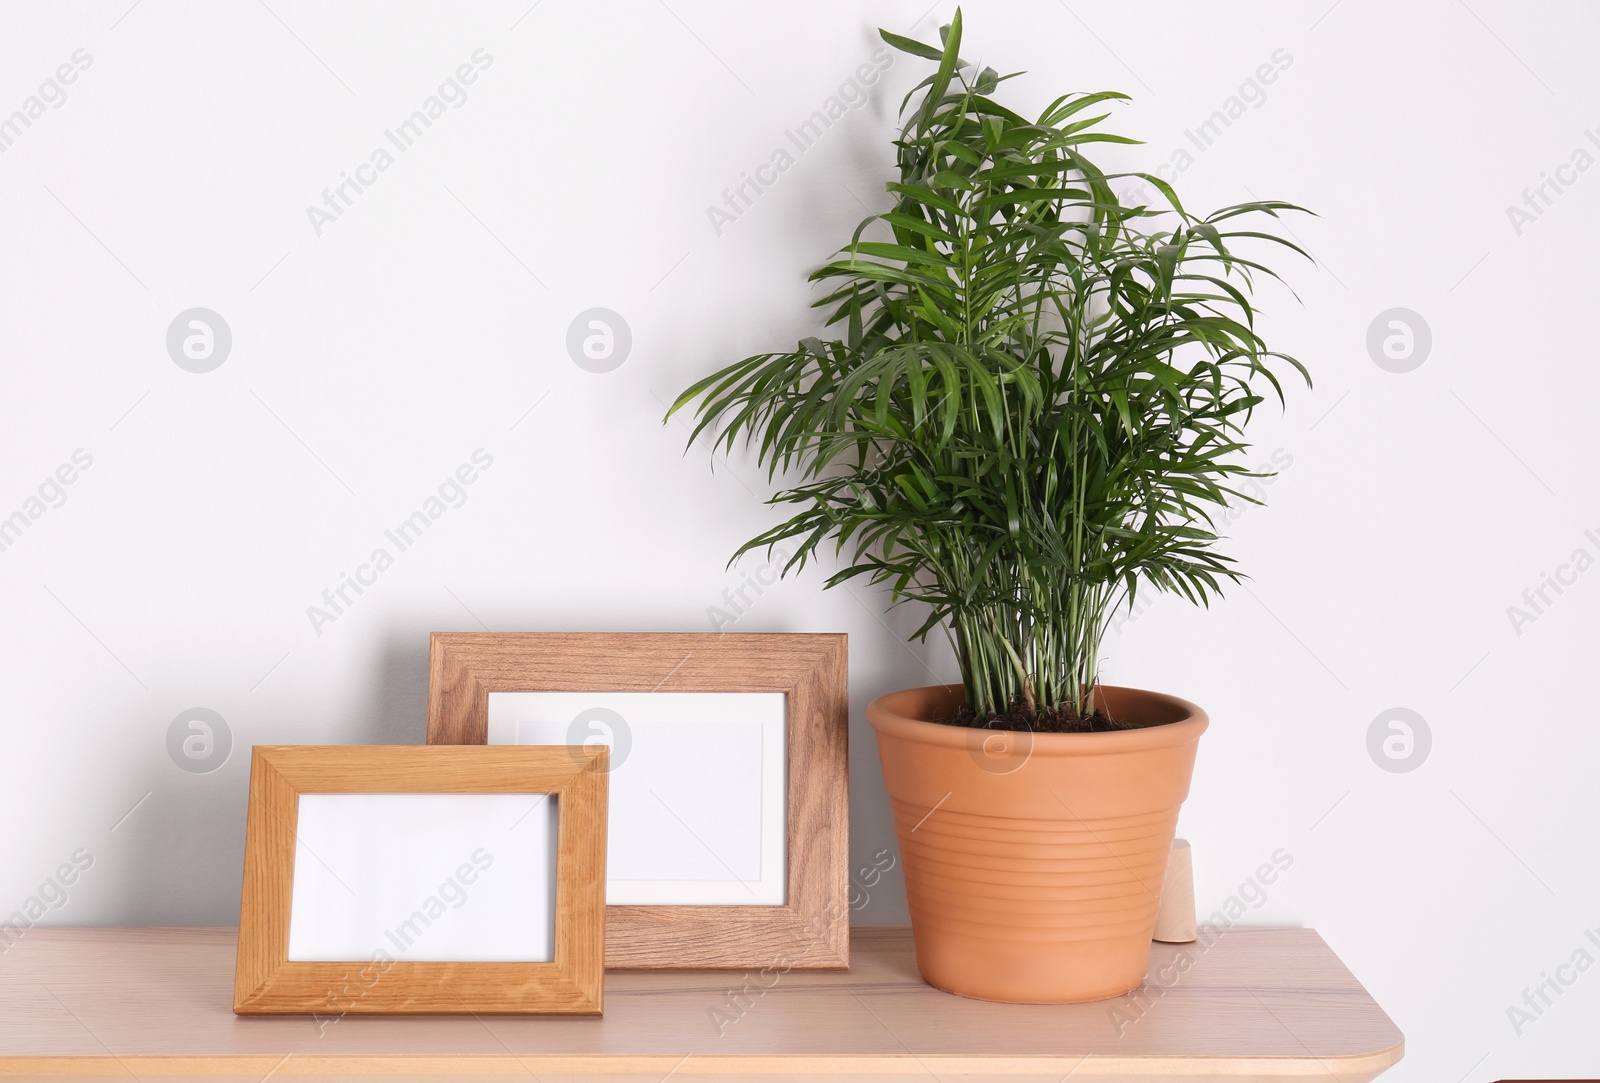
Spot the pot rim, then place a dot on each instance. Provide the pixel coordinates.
(1192, 723)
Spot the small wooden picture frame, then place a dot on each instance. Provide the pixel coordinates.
(425, 880)
(691, 702)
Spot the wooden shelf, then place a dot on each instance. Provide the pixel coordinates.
(1259, 1004)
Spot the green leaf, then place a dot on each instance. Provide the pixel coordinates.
(907, 45)
(1035, 404)
(948, 63)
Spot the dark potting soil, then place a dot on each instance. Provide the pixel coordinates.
(1020, 717)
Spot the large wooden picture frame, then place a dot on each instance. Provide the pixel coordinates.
(810, 929)
(267, 981)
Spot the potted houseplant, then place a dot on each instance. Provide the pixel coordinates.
(1032, 408)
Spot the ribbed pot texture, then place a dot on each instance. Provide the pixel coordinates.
(1034, 862)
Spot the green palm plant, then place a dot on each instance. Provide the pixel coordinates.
(1036, 399)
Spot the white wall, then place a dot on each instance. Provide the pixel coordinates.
(422, 325)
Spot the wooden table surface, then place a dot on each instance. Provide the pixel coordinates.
(1256, 1005)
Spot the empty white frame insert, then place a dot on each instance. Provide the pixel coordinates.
(417, 877)
(698, 801)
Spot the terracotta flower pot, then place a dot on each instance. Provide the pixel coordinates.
(1034, 862)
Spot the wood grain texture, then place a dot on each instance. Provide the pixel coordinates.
(267, 982)
(1252, 1004)
(812, 929)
